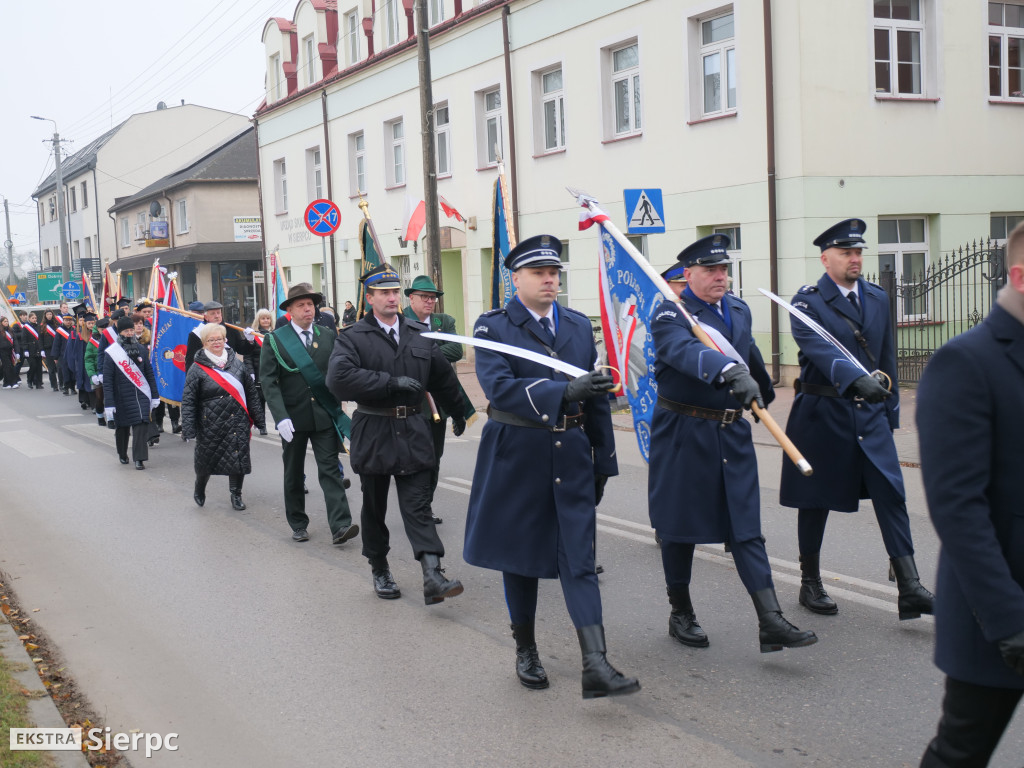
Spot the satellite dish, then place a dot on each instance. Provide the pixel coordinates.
(154, 209)
(161, 105)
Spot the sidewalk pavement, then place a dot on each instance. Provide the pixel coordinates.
(905, 437)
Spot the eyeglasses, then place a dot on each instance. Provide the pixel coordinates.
(426, 296)
(215, 339)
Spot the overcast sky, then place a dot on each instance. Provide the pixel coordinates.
(89, 64)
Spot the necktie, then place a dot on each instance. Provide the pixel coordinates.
(394, 337)
(306, 338)
(718, 309)
(852, 296)
(545, 323)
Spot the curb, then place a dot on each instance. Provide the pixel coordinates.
(42, 712)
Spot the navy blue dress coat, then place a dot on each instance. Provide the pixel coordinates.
(970, 424)
(702, 480)
(835, 434)
(531, 486)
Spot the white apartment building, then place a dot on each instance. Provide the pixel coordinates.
(117, 164)
(905, 113)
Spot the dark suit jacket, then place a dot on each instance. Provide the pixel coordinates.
(970, 423)
(284, 387)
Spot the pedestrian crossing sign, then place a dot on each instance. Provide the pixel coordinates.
(645, 211)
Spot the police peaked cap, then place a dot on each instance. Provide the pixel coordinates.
(710, 250)
(536, 251)
(848, 233)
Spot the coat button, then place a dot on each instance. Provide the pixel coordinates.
(558, 481)
(544, 418)
(860, 437)
(558, 443)
(725, 461)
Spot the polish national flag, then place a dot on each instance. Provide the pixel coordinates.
(449, 210)
(415, 218)
(591, 216)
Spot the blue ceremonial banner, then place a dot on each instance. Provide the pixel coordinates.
(171, 328)
(503, 239)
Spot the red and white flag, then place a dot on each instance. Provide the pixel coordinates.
(415, 218)
(449, 210)
(591, 216)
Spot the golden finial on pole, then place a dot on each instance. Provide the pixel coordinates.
(364, 206)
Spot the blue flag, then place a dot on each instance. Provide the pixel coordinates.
(503, 239)
(171, 328)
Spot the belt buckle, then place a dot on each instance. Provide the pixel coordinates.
(561, 428)
(730, 416)
(400, 412)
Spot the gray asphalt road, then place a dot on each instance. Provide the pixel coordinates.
(262, 652)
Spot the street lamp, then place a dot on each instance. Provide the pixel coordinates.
(65, 264)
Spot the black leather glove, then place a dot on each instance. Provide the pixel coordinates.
(600, 481)
(742, 386)
(868, 388)
(405, 385)
(588, 385)
(458, 425)
(1012, 649)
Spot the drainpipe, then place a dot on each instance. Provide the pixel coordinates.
(263, 222)
(773, 243)
(95, 198)
(513, 187)
(330, 196)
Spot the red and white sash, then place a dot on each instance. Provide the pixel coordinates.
(63, 332)
(94, 341)
(229, 383)
(129, 369)
(49, 330)
(14, 357)
(31, 330)
(111, 335)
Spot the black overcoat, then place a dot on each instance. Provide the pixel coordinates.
(130, 403)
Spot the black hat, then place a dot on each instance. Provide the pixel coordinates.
(848, 233)
(301, 291)
(212, 305)
(89, 316)
(382, 277)
(116, 314)
(536, 251)
(103, 322)
(79, 309)
(124, 301)
(143, 303)
(710, 250)
(124, 323)
(674, 274)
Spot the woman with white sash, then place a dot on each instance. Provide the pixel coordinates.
(218, 409)
(129, 393)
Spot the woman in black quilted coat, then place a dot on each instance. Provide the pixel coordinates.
(215, 419)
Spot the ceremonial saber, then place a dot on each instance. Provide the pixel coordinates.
(761, 413)
(509, 349)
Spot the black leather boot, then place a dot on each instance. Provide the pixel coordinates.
(775, 632)
(235, 488)
(435, 586)
(175, 426)
(528, 667)
(199, 493)
(682, 622)
(599, 677)
(914, 599)
(384, 585)
(813, 596)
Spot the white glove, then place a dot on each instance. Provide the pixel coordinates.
(43, 354)
(96, 380)
(252, 376)
(26, 353)
(154, 403)
(249, 334)
(108, 413)
(286, 430)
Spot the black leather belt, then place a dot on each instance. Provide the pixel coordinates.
(504, 417)
(726, 417)
(398, 412)
(815, 389)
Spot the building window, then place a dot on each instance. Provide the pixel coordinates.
(357, 163)
(314, 174)
(275, 77)
(552, 110)
(903, 246)
(442, 140)
(394, 138)
(281, 186)
(74, 199)
(393, 14)
(435, 11)
(310, 59)
(1006, 50)
(141, 226)
(718, 65)
(1002, 224)
(490, 129)
(625, 89)
(182, 216)
(563, 287)
(352, 30)
(53, 208)
(85, 195)
(735, 253)
(126, 233)
(899, 47)
(42, 213)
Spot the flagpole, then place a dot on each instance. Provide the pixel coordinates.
(662, 285)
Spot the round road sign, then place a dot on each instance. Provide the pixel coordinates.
(322, 218)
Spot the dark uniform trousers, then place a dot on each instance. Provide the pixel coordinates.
(973, 720)
(139, 434)
(582, 594)
(750, 558)
(414, 496)
(325, 452)
(437, 433)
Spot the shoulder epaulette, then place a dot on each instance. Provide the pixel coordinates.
(498, 311)
(575, 312)
(874, 285)
(808, 289)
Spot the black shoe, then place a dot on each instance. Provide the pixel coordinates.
(263, 430)
(599, 677)
(85, 406)
(529, 670)
(139, 465)
(914, 599)
(304, 488)
(345, 534)
(775, 633)
(153, 441)
(598, 569)
(384, 585)
(300, 535)
(199, 492)
(813, 596)
(435, 586)
(123, 459)
(236, 501)
(682, 622)
(176, 427)
(56, 390)
(346, 483)
(101, 421)
(437, 520)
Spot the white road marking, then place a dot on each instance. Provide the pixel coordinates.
(459, 480)
(8, 421)
(58, 416)
(92, 431)
(33, 446)
(457, 488)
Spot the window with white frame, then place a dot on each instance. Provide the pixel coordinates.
(735, 269)
(141, 225)
(393, 14)
(42, 213)
(394, 139)
(274, 78)
(1002, 224)
(357, 163)
(74, 199)
(1006, 50)
(490, 112)
(718, 64)
(563, 287)
(181, 214)
(639, 242)
(352, 30)
(899, 38)
(126, 233)
(309, 59)
(551, 96)
(314, 174)
(435, 11)
(85, 195)
(442, 140)
(280, 186)
(903, 244)
(625, 88)
(53, 208)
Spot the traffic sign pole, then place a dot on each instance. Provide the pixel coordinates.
(322, 219)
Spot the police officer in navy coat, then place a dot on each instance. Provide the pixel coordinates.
(842, 420)
(702, 483)
(970, 395)
(545, 455)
